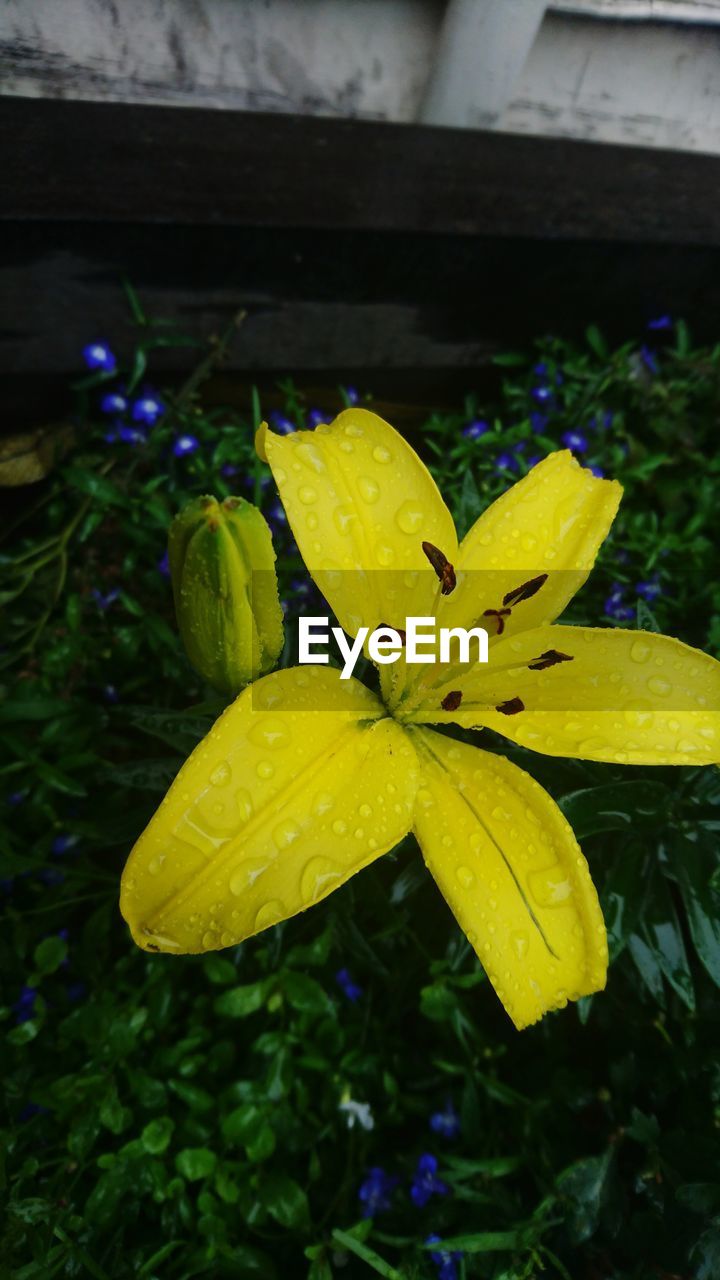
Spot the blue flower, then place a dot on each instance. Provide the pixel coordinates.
(113, 402)
(446, 1122)
(538, 421)
(15, 798)
(532, 461)
(615, 606)
(660, 322)
(97, 355)
(475, 429)
(110, 694)
(575, 441)
(281, 424)
(597, 472)
(24, 1006)
(163, 565)
(425, 1183)
(352, 395)
(649, 590)
(276, 513)
(227, 470)
(130, 435)
(103, 601)
(540, 370)
(350, 988)
(445, 1260)
(608, 419)
(185, 445)
(506, 462)
(649, 359)
(62, 844)
(374, 1193)
(542, 395)
(30, 1110)
(148, 408)
(315, 417)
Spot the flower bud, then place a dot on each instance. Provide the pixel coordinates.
(222, 567)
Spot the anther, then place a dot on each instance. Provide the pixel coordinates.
(499, 615)
(511, 707)
(452, 700)
(549, 658)
(442, 567)
(526, 591)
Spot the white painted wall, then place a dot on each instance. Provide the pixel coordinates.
(626, 71)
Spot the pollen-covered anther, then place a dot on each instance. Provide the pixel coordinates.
(452, 700)
(526, 591)
(549, 658)
(499, 615)
(511, 707)
(442, 567)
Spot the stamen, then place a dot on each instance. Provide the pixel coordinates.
(526, 591)
(499, 615)
(452, 700)
(511, 707)
(442, 567)
(401, 633)
(549, 659)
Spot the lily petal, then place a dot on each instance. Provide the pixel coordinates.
(300, 783)
(551, 522)
(511, 870)
(632, 697)
(360, 504)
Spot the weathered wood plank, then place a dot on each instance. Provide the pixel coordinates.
(114, 164)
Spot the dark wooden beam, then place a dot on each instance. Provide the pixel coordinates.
(117, 164)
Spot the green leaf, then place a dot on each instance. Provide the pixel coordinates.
(482, 1242)
(623, 894)
(305, 994)
(596, 340)
(241, 1001)
(284, 1200)
(366, 1254)
(49, 954)
(694, 864)
(195, 1163)
(664, 937)
(585, 1184)
(619, 806)
(156, 1135)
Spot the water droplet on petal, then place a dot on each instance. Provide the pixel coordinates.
(381, 454)
(640, 652)
(410, 517)
(269, 914)
(221, 774)
(368, 489)
(317, 878)
(465, 877)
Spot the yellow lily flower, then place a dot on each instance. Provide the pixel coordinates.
(307, 778)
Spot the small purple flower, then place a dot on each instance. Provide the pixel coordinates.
(110, 694)
(374, 1193)
(315, 417)
(649, 590)
(29, 1111)
(425, 1183)
(227, 470)
(542, 395)
(649, 359)
(131, 435)
(113, 402)
(185, 445)
(622, 556)
(62, 844)
(475, 429)
(281, 424)
(445, 1260)
(163, 565)
(540, 369)
(660, 322)
(608, 419)
(575, 441)
(103, 601)
(15, 798)
(506, 462)
(349, 988)
(538, 421)
(147, 409)
(97, 355)
(597, 472)
(446, 1122)
(352, 394)
(24, 1006)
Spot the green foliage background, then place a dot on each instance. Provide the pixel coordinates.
(178, 1117)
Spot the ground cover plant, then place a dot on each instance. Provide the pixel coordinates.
(342, 1095)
